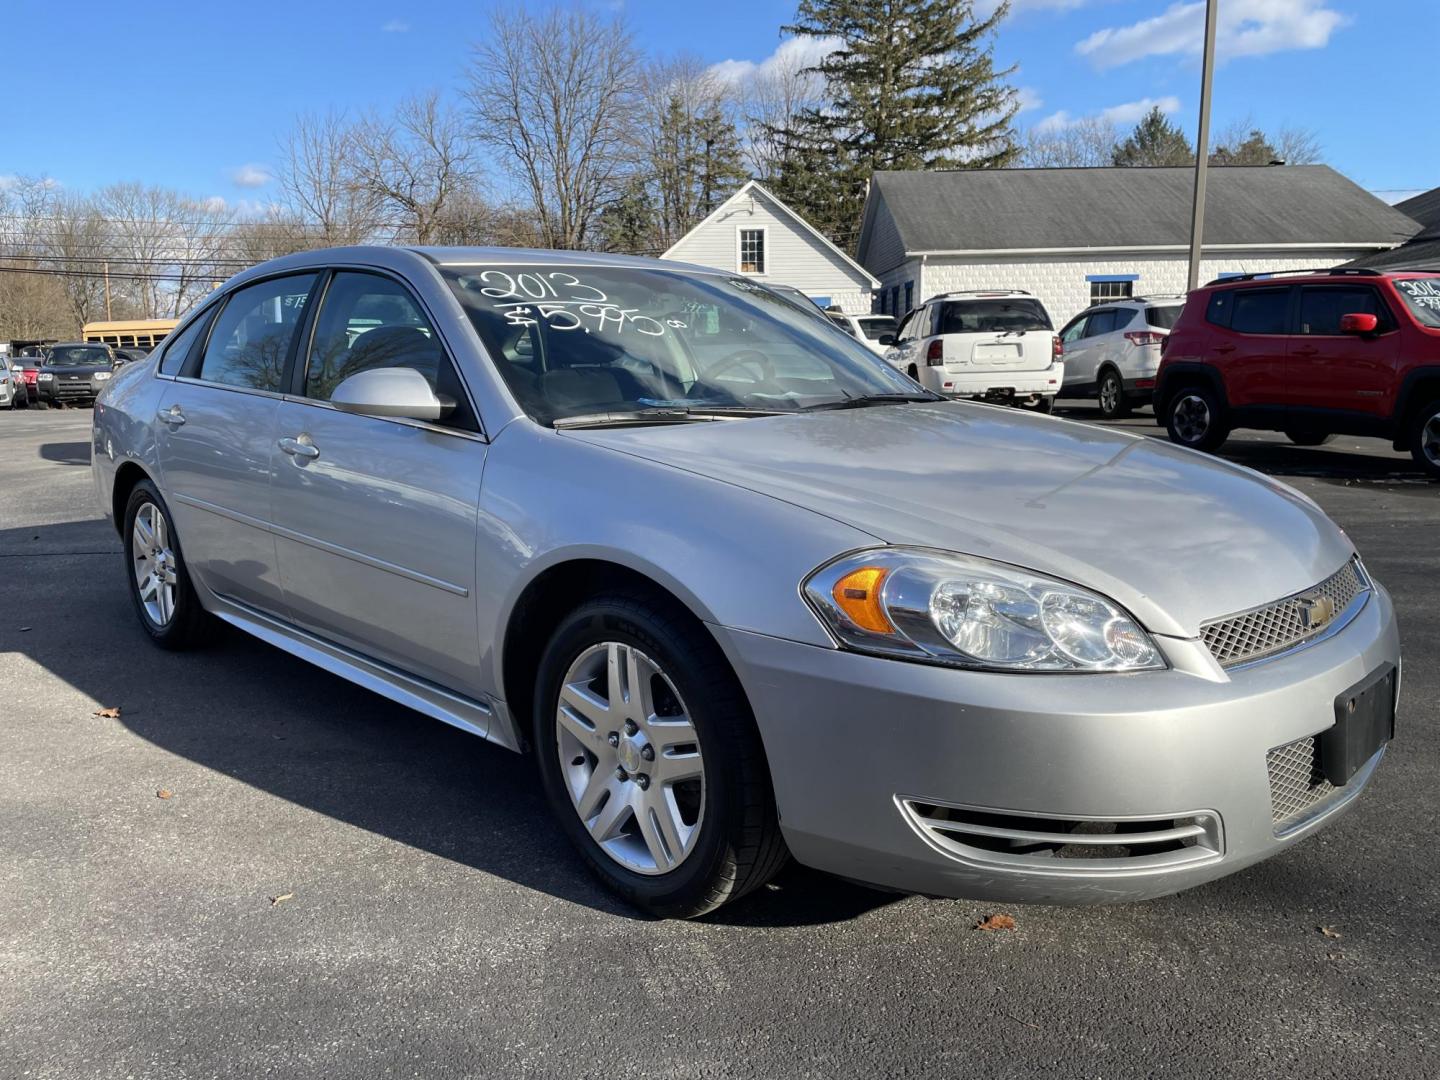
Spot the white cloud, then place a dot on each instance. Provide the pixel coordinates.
(985, 8)
(395, 26)
(1247, 28)
(8, 181)
(1028, 98)
(250, 176)
(214, 204)
(1123, 115)
(791, 55)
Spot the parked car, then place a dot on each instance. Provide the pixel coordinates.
(991, 346)
(74, 373)
(875, 332)
(30, 359)
(1353, 352)
(1112, 351)
(130, 354)
(13, 394)
(767, 597)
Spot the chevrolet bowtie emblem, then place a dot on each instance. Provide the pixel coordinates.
(1316, 611)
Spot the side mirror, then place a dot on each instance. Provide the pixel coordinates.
(886, 339)
(395, 391)
(1358, 323)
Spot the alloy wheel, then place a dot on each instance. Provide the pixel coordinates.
(630, 758)
(1109, 394)
(154, 563)
(1430, 440)
(1191, 417)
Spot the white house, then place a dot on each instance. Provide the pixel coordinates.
(1075, 237)
(755, 234)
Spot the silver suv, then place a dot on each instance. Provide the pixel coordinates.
(996, 345)
(1112, 350)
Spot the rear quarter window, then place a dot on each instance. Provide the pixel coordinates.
(1164, 318)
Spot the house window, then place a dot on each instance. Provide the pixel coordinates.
(752, 251)
(909, 295)
(1104, 290)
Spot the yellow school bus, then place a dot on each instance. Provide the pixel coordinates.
(130, 334)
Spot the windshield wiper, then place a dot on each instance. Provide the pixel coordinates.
(630, 417)
(866, 400)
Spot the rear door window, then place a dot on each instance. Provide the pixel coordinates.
(1321, 307)
(251, 340)
(1101, 322)
(1260, 311)
(993, 316)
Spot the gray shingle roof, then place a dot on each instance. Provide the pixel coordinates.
(1424, 208)
(988, 209)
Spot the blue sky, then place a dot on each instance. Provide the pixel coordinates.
(193, 96)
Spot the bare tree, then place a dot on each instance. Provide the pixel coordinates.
(1087, 142)
(412, 167)
(77, 240)
(318, 182)
(1298, 146)
(553, 94)
(770, 100)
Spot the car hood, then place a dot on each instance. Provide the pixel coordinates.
(1177, 537)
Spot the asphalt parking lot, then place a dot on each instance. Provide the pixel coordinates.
(336, 886)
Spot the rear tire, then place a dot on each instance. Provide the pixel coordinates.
(1111, 395)
(1195, 418)
(717, 832)
(1424, 439)
(159, 580)
(1309, 438)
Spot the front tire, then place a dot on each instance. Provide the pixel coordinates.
(160, 586)
(1195, 418)
(1111, 395)
(1425, 439)
(650, 758)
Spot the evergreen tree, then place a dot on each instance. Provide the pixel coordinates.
(912, 86)
(1254, 149)
(627, 224)
(1155, 141)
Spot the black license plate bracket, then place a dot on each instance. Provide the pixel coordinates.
(1364, 722)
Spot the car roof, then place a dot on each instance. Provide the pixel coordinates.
(1311, 277)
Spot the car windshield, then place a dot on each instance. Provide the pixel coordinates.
(1422, 297)
(1163, 317)
(78, 356)
(581, 341)
(992, 316)
(874, 327)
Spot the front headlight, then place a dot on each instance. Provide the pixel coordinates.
(101, 376)
(967, 612)
(45, 376)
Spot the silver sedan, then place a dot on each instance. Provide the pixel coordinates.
(746, 591)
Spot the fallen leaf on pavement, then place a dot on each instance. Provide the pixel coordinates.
(1329, 932)
(164, 793)
(283, 896)
(112, 713)
(996, 922)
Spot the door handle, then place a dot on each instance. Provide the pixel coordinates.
(172, 416)
(296, 448)
(1224, 348)
(1306, 350)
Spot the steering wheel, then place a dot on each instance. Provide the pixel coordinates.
(744, 356)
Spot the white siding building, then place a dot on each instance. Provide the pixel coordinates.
(755, 234)
(1075, 237)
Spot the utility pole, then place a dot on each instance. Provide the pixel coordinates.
(107, 291)
(1202, 142)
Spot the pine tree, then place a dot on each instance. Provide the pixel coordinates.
(912, 86)
(1254, 149)
(1155, 141)
(627, 224)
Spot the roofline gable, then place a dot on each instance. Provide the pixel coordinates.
(755, 186)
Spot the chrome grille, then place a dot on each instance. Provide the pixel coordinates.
(1296, 782)
(1285, 623)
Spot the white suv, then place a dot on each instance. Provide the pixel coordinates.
(994, 345)
(1112, 350)
(875, 332)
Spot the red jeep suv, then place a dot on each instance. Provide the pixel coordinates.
(1353, 352)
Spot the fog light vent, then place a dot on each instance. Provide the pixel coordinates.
(1064, 844)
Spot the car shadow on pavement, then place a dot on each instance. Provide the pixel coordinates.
(280, 725)
(66, 453)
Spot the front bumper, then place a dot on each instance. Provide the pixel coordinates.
(856, 743)
(69, 392)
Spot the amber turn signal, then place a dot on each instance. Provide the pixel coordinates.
(858, 595)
